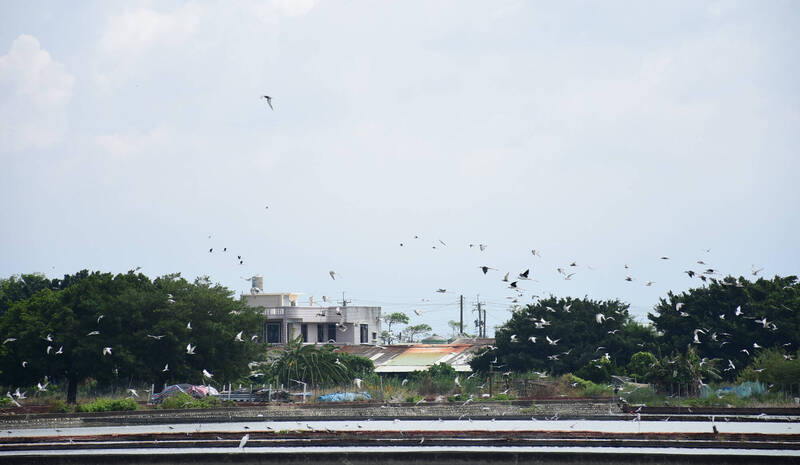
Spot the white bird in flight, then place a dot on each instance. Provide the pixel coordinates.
(238, 337)
(106, 350)
(190, 349)
(93, 333)
(243, 441)
(269, 101)
(333, 275)
(207, 374)
(166, 367)
(8, 394)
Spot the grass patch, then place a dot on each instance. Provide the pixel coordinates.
(108, 405)
(646, 396)
(59, 406)
(583, 388)
(182, 400)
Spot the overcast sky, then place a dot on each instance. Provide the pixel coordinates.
(602, 133)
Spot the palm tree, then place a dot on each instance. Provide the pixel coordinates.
(308, 363)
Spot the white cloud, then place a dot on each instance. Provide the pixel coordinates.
(135, 31)
(293, 7)
(34, 93)
(124, 146)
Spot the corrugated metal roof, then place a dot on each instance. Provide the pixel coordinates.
(404, 359)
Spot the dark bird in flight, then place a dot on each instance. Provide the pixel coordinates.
(269, 101)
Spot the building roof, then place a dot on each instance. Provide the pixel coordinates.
(435, 339)
(417, 357)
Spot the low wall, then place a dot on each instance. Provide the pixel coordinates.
(547, 408)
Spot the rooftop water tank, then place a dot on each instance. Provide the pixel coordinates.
(257, 283)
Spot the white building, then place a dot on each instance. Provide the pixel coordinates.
(284, 319)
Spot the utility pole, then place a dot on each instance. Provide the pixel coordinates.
(481, 322)
(484, 322)
(461, 305)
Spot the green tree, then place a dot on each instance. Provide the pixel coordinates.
(731, 319)
(563, 335)
(686, 368)
(642, 366)
(597, 371)
(773, 367)
(308, 363)
(455, 328)
(412, 332)
(143, 323)
(393, 319)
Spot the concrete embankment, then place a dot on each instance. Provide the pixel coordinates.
(562, 408)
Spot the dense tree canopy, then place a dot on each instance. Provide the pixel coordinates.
(122, 328)
(564, 335)
(732, 320)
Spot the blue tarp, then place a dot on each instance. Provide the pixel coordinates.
(746, 389)
(344, 397)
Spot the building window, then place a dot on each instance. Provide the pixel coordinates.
(274, 333)
(304, 332)
(320, 333)
(331, 333)
(364, 334)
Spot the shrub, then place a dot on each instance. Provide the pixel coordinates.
(598, 371)
(774, 369)
(182, 400)
(108, 405)
(647, 396)
(641, 365)
(438, 379)
(587, 388)
(59, 406)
